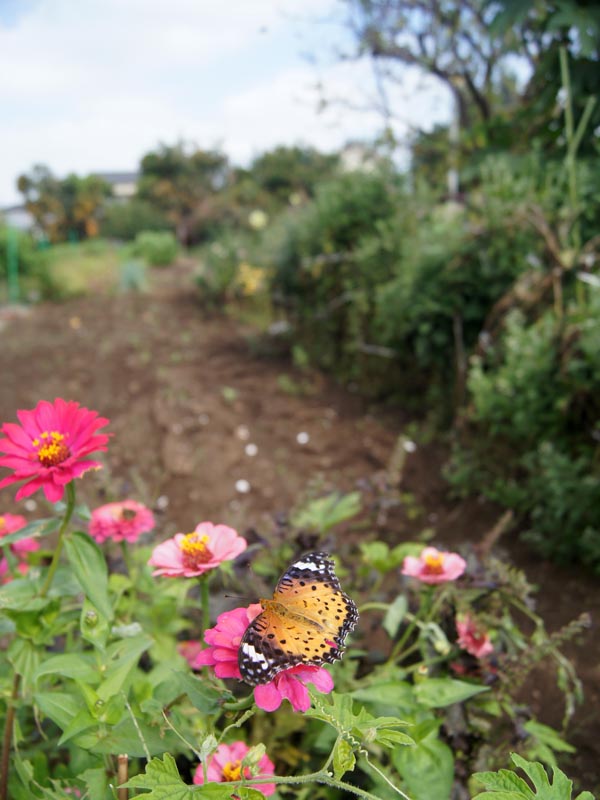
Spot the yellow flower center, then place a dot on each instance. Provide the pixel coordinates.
(434, 564)
(232, 771)
(51, 448)
(2, 523)
(195, 550)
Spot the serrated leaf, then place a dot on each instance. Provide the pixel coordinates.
(96, 781)
(343, 758)
(89, 566)
(164, 782)
(442, 692)
(504, 780)
(394, 615)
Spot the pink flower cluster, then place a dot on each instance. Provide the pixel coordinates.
(11, 523)
(225, 765)
(472, 638)
(434, 566)
(124, 521)
(192, 554)
(50, 447)
(222, 655)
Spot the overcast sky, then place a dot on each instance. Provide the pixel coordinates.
(92, 85)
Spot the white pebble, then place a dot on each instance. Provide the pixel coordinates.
(162, 502)
(251, 449)
(242, 486)
(409, 446)
(303, 438)
(242, 433)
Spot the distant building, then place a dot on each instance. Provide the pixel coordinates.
(16, 217)
(123, 184)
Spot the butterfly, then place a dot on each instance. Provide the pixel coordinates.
(306, 622)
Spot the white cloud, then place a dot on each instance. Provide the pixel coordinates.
(94, 85)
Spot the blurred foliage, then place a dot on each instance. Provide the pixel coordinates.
(157, 248)
(124, 220)
(63, 209)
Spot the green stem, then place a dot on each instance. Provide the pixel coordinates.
(205, 601)
(313, 777)
(61, 532)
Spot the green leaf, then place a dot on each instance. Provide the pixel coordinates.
(203, 697)
(326, 512)
(427, 769)
(25, 658)
(442, 692)
(121, 659)
(504, 780)
(164, 782)
(78, 666)
(89, 566)
(60, 707)
(82, 721)
(34, 530)
(343, 758)
(21, 595)
(96, 781)
(394, 615)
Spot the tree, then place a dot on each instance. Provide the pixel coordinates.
(184, 182)
(63, 208)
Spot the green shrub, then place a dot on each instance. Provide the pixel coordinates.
(158, 249)
(534, 440)
(125, 220)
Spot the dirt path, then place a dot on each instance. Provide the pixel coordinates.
(206, 429)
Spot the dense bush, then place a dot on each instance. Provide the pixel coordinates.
(125, 220)
(158, 249)
(327, 260)
(35, 279)
(535, 398)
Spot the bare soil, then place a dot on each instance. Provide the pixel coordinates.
(187, 394)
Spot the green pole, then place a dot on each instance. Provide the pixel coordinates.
(12, 259)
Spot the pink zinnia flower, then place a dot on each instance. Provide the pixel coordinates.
(191, 554)
(434, 566)
(471, 638)
(225, 765)
(222, 654)
(48, 448)
(11, 523)
(124, 521)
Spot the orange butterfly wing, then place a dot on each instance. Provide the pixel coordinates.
(306, 622)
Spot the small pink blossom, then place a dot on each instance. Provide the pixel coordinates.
(49, 448)
(124, 521)
(434, 566)
(191, 554)
(225, 765)
(222, 654)
(11, 523)
(471, 638)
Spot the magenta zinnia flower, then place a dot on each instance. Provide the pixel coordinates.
(222, 654)
(48, 448)
(124, 521)
(434, 566)
(225, 765)
(471, 638)
(191, 554)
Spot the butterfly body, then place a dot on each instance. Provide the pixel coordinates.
(305, 623)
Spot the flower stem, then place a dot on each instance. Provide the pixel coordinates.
(205, 601)
(61, 532)
(6, 742)
(313, 777)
